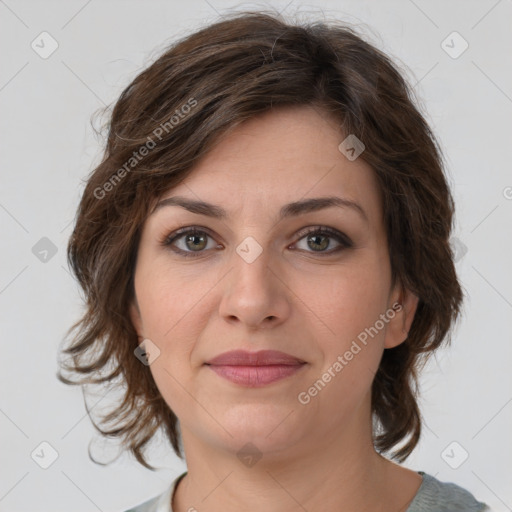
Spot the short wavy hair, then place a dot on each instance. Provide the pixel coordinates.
(205, 83)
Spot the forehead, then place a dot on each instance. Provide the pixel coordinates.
(279, 157)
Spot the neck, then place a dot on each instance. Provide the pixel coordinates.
(328, 473)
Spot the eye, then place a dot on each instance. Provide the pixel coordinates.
(193, 240)
(318, 238)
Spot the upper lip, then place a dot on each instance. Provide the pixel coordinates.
(261, 358)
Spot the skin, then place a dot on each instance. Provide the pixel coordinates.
(293, 297)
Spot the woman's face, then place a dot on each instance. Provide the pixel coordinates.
(254, 280)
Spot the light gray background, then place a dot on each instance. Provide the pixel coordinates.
(48, 148)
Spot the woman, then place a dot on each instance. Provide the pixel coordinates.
(265, 255)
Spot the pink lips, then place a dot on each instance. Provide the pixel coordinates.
(255, 369)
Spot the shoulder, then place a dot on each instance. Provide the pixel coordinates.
(434, 495)
(160, 503)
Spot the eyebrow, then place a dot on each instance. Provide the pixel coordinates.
(288, 210)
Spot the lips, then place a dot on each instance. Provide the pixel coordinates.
(261, 358)
(255, 369)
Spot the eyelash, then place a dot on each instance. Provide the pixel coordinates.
(341, 238)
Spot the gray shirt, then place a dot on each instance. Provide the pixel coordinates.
(432, 496)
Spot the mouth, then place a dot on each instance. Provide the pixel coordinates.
(255, 369)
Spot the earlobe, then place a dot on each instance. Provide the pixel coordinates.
(404, 308)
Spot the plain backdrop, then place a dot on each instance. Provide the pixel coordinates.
(48, 148)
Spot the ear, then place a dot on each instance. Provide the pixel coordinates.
(136, 319)
(404, 303)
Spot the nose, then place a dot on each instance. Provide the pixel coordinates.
(255, 294)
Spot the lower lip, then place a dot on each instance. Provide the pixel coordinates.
(255, 376)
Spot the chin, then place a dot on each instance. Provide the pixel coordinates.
(269, 427)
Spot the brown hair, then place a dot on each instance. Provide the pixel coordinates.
(177, 108)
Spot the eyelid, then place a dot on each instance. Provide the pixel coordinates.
(326, 230)
(185, 230)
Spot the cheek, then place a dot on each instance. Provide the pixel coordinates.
(352, 346)
(169, 307)
(173, 314)
(164, 298)
(350, 305)
(351, 300)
